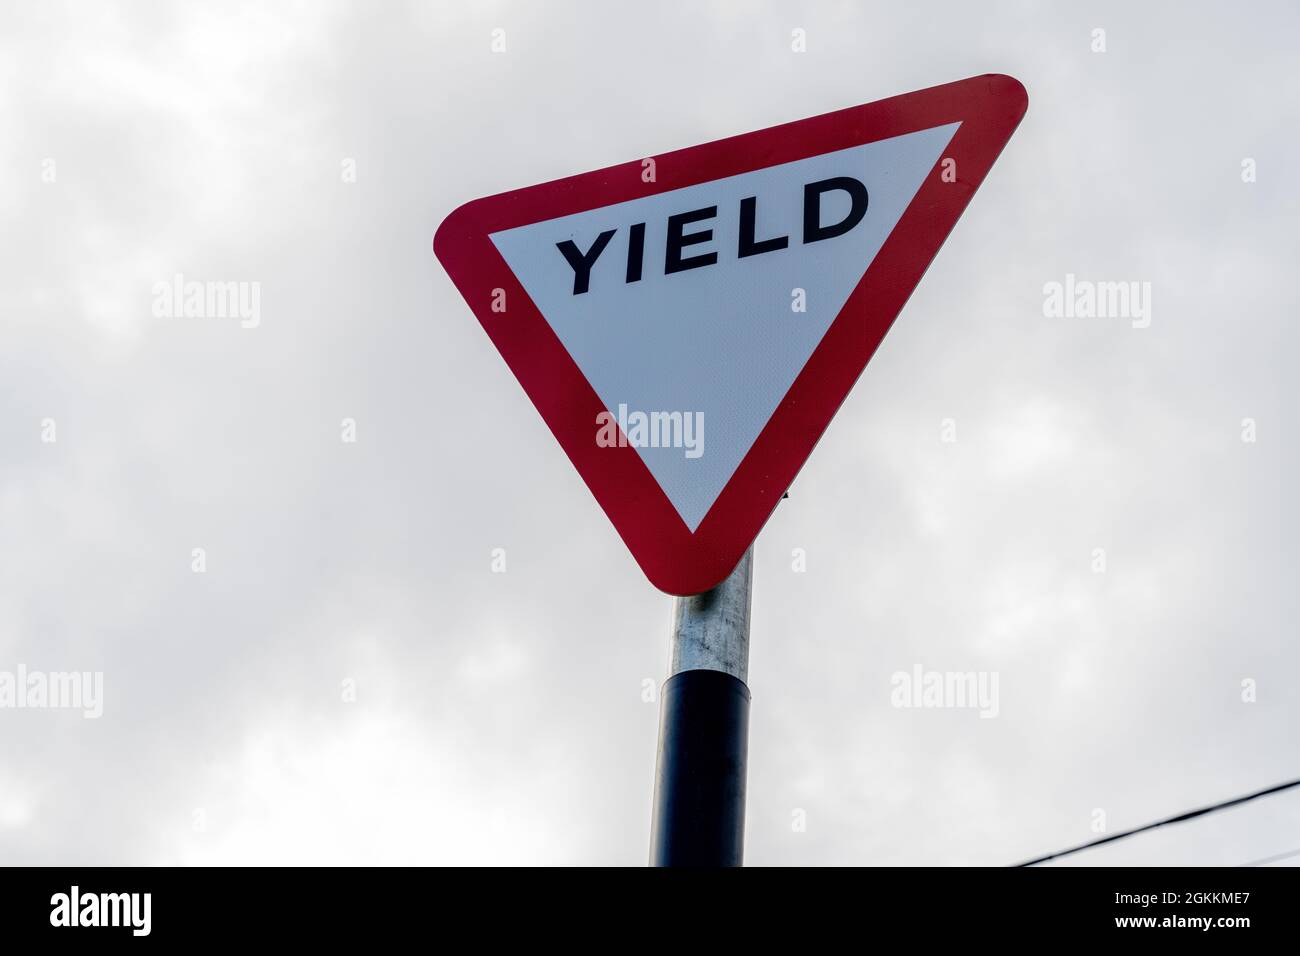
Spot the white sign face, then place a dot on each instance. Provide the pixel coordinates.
(707, 301)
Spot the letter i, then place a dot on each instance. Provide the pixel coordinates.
(635, 252)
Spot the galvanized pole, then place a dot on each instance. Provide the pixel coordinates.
(699, 801)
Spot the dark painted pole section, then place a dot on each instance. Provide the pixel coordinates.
(699, 801)
(699, 817)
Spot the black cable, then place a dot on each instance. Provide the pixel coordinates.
(1189, 815)
(1273, 859)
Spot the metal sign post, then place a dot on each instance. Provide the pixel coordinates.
(699, 801)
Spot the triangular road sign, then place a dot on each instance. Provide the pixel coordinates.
(687, 324)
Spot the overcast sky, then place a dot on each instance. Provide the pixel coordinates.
(499, 717)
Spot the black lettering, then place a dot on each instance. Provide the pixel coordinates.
(581, 262)
(748, 247)
(635, 252)
(813, 230)
(673, 261)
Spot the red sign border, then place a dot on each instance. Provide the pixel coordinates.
(676, 560)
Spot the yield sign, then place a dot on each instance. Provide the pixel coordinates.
(687, 324)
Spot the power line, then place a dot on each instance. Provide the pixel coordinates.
(1273, 859)
(1189, 815)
